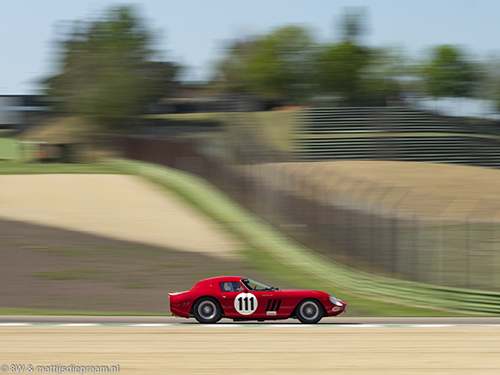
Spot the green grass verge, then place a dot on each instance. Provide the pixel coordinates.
(289, 260)
(265, 262)
(198, 195)
(13, 167)
(357, 306)
(8, 311)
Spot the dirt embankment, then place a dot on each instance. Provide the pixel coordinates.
(116, 206)
(105, 243)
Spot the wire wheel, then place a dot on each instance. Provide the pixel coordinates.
(207, 310)
(309, 311)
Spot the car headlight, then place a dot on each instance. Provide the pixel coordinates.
(335, 301)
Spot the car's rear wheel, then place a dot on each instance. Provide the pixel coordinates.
(309, 311)
(207, 310)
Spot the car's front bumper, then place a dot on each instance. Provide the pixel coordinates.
(335, 309)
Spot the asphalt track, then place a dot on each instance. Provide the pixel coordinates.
(159, 345)
(170, 320)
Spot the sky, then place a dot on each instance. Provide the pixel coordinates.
(193, 33)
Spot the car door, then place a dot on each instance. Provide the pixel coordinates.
(258, 304)
(238, 301)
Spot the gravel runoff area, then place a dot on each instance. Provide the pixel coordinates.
(108, 243)
(116, 206)
(257, 350)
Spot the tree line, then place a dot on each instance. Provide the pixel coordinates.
(110, 72)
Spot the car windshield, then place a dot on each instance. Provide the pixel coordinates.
(256, 286)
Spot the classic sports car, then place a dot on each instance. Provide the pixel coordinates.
(240, 298)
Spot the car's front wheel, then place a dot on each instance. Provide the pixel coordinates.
(207, 310)
(309, 311)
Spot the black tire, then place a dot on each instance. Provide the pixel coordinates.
(207, 310)
(309, 311)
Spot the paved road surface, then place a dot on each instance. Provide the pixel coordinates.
(277, 349)
(182, 321)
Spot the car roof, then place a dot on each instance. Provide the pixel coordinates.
(222, 279)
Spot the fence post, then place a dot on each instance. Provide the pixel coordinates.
(415, 246)
(394, 239)
(372, 231)
(467, 254)
(440, 254)
(495, 259)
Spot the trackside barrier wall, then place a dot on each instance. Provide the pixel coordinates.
(263, 236)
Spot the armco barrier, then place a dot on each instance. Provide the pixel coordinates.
(288, 252)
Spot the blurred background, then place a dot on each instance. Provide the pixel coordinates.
(368, 134)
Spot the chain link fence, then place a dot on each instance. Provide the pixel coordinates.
(382, 229)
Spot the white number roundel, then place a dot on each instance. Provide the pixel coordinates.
(245, 303)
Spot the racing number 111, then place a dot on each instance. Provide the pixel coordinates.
(241, 300)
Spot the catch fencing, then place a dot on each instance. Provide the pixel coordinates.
(382, 229)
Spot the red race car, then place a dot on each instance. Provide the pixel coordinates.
(240, 298)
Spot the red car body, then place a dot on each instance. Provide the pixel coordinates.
(240, 298)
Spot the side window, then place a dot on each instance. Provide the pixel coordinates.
(231, 286)
(236, 286)
(225, 287)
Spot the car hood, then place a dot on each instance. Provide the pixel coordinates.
(308, 293)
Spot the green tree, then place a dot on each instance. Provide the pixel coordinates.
(388, 74)
(340, 68)
(276, 66)
(448, 73)
(280, 65)
(107, 70)
(231, 72)
(350, 72)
